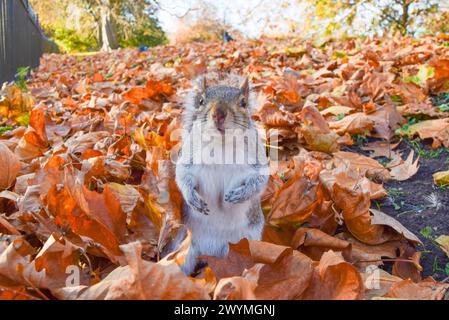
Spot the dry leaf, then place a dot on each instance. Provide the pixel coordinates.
(441, 178)
(10, 167)
(443, 242)
(139, 280)
(427, 290)
(405, 169)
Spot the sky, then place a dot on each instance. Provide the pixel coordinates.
(255, 17)
(251, 17)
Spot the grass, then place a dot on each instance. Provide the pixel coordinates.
(84, 54)
(427, 233)
(436, 267)
(426, 153)
(359, 139)
(393, 194)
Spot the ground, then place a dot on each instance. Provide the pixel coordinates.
(419, 204)
(89, 180)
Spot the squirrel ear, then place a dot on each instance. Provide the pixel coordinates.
(201, 84)
(244, 87)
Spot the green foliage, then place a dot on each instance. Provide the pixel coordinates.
(393, 194)
(71, 41)
(77, 25)
(360, 139)
(426, 232)
(443, 107)
(404, 129)
(441, 101)
(397, 99)
(424, 153)
(436, 267)
(147, 34)
(24, 119)
(21, 78)
(421, 77)
(5, 129)
(338, 54)
(396, 16)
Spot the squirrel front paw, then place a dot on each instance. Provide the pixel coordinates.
(237, 195)
(196, 202)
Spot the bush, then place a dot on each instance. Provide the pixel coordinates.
(71, 41)
(148, 34)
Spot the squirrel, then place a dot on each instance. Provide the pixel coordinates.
(223, 168)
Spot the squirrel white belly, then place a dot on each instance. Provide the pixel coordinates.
(223, 168)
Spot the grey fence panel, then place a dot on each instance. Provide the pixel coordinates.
(22, 41)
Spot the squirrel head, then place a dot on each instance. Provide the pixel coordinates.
(220, 102)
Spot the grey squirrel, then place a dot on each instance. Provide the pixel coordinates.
(223, 168)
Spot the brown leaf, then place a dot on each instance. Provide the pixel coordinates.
(426, 290)
(316, 131)
(365, 166)
(356, 123)
(334, 279)
(10, 167)
(296, 199)
(314, 242)
(383, 219)
(381, 149)
(139, 280)
(284, 278)
(438, 130)
(352, 196)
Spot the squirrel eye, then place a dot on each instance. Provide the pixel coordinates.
(201, 101)
(243, 103)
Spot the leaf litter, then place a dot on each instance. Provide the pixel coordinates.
(88, 182)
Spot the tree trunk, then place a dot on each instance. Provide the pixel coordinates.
(405, 17)
(108, 35)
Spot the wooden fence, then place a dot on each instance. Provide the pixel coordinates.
(22, 41)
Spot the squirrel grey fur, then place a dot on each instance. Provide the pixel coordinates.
(221, 200)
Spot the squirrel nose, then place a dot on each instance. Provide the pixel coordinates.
(219, 115)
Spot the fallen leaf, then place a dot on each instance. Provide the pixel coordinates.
(356, 123)
(408, 290)
(441, 178)
(334, 279)
(139, 280)
(365, 166)
(381, 218)
(437, 130)
(443, 242)
(314, 242)
(10, 165)
(405, 169)
(316, 131)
